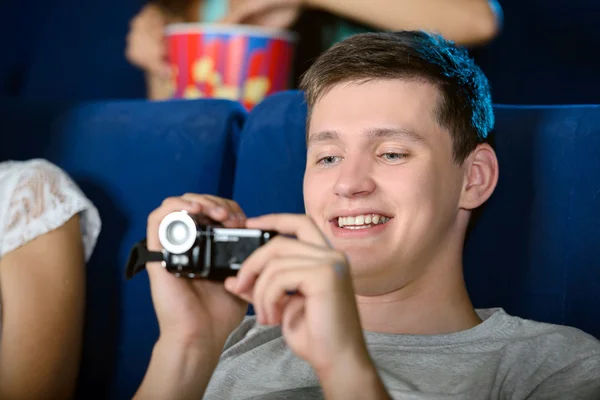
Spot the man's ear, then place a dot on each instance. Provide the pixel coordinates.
(481, 177)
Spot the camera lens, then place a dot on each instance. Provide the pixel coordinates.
(177, 232)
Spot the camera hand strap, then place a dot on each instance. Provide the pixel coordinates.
(139, 255)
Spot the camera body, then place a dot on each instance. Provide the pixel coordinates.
(195, 247)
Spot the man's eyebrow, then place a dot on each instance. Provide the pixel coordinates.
(372, 133)
(323, 136)
(395, 133)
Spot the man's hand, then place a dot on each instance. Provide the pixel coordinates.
(195, 316)
(268, 13)
(306, 286)
(194, 310)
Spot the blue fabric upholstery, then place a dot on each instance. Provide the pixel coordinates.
(127, 157)
(271, 157)
(536, 248)
(68, 50)
(544, 53)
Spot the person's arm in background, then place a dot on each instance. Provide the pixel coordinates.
(42, 284)
(466, 22)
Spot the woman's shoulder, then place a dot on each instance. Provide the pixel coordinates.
(18, 177)
(14, 168)
(36, 197)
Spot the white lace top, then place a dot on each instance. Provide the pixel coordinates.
(37, 197)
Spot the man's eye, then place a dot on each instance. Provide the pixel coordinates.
(329, 160)
(393, 156)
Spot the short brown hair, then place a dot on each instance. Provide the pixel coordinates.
(465, 106)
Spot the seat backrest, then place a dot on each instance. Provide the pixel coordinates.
(68, 50)
(271, 157)
(535, 250)
(127, 157)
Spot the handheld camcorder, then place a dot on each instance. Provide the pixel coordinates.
(195, 247)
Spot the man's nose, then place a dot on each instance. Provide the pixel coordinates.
(355, 178)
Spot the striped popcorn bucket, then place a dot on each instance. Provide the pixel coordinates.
(235, 62)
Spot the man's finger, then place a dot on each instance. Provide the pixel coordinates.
(212, 207)
(272, 269)
(278, 247)
(299, 225)
(235, 212)
(301, 280)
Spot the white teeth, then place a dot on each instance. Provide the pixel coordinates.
(362, 221)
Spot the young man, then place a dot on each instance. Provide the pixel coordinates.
(397, 160)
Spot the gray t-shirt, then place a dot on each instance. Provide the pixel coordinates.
(504, 357)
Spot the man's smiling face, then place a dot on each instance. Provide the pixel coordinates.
(381, 181)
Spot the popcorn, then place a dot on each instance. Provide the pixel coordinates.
(192, 92)
(203, 69)
(255, 89)
(227, 92)
(215, 79)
